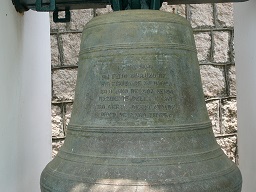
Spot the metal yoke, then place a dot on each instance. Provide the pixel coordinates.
(66, 5)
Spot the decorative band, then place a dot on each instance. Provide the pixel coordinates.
(141, 161)
(137, 46)
(163, 20)
(171, 181)
(138, 129)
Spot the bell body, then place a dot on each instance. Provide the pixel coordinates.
(139, 121)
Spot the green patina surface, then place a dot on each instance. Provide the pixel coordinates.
(139, 121)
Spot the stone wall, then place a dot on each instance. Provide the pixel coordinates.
(214, 34)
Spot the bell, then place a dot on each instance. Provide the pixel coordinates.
(139, 121)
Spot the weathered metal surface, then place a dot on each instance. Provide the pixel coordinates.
(139, 121)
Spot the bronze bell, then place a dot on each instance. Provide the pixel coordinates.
(139, 121)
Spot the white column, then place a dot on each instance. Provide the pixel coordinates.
(245, 49)
(25, 96)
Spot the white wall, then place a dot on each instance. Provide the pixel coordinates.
(25, 133)
(245, 48)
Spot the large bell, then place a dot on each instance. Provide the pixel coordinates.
(139, 121)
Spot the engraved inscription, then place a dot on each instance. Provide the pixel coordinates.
(136, 115)
(126, 67)
(135, 91)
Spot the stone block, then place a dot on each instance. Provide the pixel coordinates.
(203, 46)
(213, 80)
(225, 17)
(55, 55)
(229, 116)
(69, 108)
(177, 9)
(63, 82)
(71, 47)
(102, 11)
(57, 27)
(56, 145)
(57, 122)
(213, 112)
(221, 46)
(232, 80)
(229, 146)
(232, 54)
(201, 15)
(79, 18)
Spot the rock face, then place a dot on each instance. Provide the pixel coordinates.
(213, 32)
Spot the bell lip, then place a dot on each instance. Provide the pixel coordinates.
(232, 172)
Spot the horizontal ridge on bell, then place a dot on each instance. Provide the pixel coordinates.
(138, 129)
